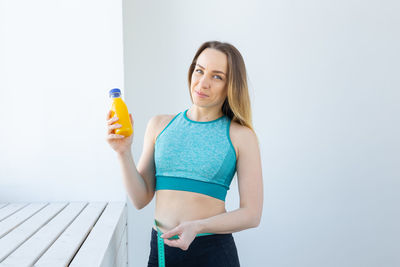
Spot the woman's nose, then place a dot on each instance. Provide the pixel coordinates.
(204, 82)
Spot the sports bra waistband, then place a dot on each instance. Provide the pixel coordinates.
(186, 184)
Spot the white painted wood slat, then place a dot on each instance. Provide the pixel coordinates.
(19, 217)
(76, 234)
(122, 261)
(95, 251)
(23, 232)
(28, 253)
(121, 257)
(64, 249)
(112, 250)
(10, 209)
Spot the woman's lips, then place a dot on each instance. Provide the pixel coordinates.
(200, 94)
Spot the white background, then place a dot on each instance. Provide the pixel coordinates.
(58, 61)
(324, 80)
(324, 84)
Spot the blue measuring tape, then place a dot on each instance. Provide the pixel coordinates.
(160, 244)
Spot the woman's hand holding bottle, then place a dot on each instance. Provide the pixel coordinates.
(120, 143)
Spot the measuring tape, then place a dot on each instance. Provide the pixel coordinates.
(160, 244)
(161, 254)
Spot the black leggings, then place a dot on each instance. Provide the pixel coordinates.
(218, 250)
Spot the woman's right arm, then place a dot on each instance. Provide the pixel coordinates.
(139, 180)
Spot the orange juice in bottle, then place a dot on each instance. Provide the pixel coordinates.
(120, 109)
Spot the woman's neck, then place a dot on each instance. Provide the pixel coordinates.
(204, 114)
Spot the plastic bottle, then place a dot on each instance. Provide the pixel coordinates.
(120, 109)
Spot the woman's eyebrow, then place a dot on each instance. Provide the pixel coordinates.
(216, 71)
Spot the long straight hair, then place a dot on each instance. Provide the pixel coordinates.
(237, 103)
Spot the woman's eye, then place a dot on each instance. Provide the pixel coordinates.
(199, 71)
(218, 77)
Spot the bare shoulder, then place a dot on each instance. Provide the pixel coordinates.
(242, 137)
(161, 119)
(157, 123)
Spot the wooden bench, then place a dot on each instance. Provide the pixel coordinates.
(63, 234)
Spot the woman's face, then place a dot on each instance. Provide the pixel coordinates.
(209, 79)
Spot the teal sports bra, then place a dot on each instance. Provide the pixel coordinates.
(195, 156)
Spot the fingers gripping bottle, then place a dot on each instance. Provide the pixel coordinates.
(120, 109)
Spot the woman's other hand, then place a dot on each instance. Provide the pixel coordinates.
(186, 231)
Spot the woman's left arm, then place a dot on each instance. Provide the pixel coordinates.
(250, 183)
(250, 190)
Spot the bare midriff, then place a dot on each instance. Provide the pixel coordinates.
(174, 207)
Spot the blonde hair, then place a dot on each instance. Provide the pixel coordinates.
(237, 103)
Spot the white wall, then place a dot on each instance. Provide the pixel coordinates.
(58, 60)
(324, 79)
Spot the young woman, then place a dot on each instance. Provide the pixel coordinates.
(189, 160)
